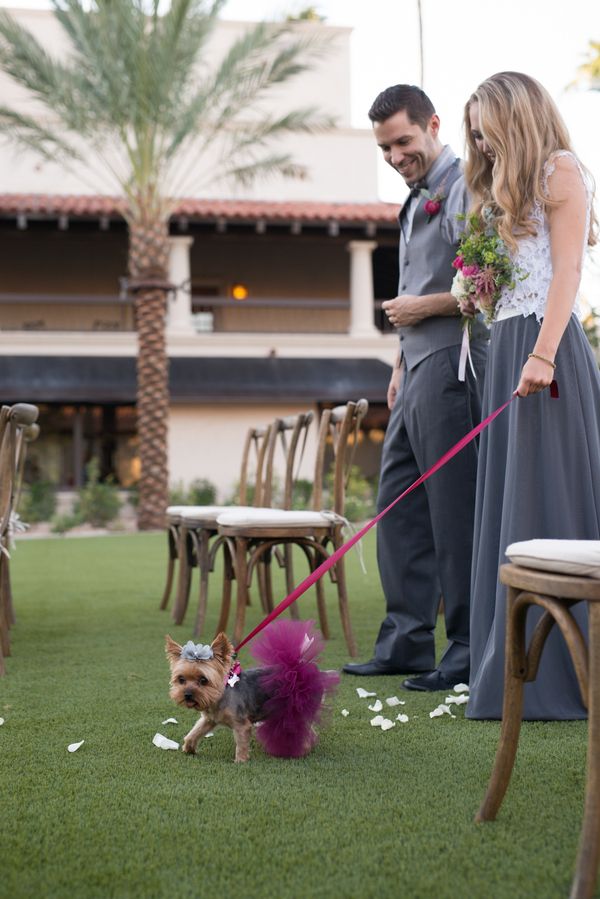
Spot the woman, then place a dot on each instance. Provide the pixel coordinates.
(539, 463)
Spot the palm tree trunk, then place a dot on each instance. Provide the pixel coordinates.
(148, 261)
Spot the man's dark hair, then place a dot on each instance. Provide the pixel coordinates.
(407, 97)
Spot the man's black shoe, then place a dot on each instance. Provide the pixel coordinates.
(435, 680)
(372, 668)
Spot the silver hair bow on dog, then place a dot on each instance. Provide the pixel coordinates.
(196, 652)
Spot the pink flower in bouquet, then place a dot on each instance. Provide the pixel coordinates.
(458, 262)
(432, 207)
(470, 270)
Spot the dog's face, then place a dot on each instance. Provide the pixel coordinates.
(199, 684)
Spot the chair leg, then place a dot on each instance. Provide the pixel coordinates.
(586, 871)
(512, 710)
(185, 576)
(322, 609)
(289, 578)
(203, 566)
(344, 610)
(241, 573)
(172, 548)
(6, 589)
(226, 596)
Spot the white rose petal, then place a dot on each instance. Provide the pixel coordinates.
(377, 721)
(206, 736)
(461, 688)
(457, 700)
(1, 721)
(386, 724)
(364, 693)
(393, 700)
(164, 742)
(441, 710)
(170, 721)
(402, 718)
(377, 706)
(345, 713)
(73, 747)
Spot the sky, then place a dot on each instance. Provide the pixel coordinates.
(465, 41)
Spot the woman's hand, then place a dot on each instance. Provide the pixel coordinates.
(467, 308)
(535, 377)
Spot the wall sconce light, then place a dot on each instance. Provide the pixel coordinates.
(239, 292)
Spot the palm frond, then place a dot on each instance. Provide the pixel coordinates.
(30, 134)
(276, 164)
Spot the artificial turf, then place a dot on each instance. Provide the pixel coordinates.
(368, 814)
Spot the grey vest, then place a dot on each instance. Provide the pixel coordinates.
(425, 268)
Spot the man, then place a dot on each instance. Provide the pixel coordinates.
(424, 543)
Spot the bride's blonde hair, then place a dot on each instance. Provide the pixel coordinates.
(520, 121)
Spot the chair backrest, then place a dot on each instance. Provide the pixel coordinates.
(338, 428)
(14, 424)
(254, 454)
(287, 443)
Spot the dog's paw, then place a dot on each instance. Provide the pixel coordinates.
(189, 746)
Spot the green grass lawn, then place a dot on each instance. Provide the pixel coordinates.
(367, 814)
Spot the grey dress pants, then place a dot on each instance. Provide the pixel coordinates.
(424, 544)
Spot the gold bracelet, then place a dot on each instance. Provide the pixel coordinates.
(541, 358)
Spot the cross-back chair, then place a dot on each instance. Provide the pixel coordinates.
(181, 546)
(552, 575)
(254, 534)
(198, 528)
(17, 429)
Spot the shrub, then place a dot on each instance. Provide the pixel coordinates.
(97, 502)
(360, 495)
(62, 523)
(302, 494)
(38, 502)
(200, 492)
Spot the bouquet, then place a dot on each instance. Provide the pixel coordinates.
(483, 266)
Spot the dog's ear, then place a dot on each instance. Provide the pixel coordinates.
(222, 648)
(172, 649)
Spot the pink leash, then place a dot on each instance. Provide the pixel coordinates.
(333, 558)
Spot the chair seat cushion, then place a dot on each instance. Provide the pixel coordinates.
(190, 514)
(579, 557)
(278, 518)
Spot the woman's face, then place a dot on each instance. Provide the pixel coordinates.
(480, 142)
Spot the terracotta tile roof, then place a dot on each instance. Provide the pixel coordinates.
(230, 210)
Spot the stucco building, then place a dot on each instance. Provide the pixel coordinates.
(277, 306)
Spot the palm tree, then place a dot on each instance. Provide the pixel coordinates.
(136, 101)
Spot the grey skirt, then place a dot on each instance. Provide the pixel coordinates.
(538, 476)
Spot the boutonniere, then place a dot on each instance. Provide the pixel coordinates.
(433, 203)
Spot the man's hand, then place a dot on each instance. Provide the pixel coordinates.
(404, 310)
(394, 387)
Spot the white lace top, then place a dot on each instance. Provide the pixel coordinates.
(528, 297)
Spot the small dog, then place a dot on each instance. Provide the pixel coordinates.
(285, 695)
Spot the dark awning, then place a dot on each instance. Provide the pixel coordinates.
(93, 379)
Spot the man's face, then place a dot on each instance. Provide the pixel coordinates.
(407, 147)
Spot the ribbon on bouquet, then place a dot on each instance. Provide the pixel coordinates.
(465, 354)
(342, 550)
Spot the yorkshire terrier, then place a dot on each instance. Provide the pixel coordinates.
(284, 697)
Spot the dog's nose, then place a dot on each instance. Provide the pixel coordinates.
(188, 695)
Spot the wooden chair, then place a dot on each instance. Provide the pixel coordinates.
(253, 535)
(555, 593)
(181, 550)
(17, 429)
(198, 527)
